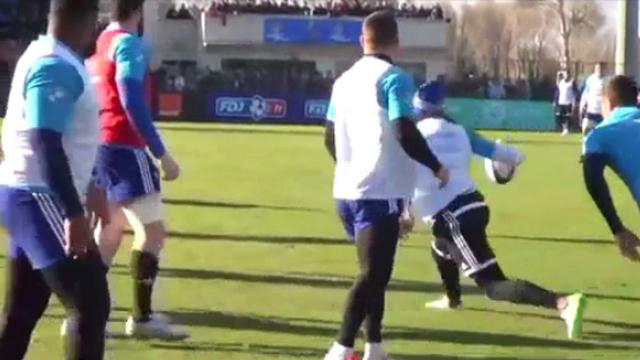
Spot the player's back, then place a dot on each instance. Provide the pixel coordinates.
(452, 146)
(115, 126)
(618, 138)
(370, 163)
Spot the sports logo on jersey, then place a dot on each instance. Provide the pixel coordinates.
(316, 109)
(256, 108)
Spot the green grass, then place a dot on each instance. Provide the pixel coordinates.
(258, 269)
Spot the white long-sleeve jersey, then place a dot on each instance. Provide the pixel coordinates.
(592, 94)
(454, 146)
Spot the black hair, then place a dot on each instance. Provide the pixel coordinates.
(73, 10)
(381, 28)
(123, 9)
(623, 90)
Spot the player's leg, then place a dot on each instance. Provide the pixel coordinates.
(81, 287)
(558, 117)
(35, 224)
(589, 122)
(449, 274)
(26, 299)
(376, 235)
(109, 236)
(145, 216)
(26, 294)
(565, 117)
(479, 263)
(468, 232)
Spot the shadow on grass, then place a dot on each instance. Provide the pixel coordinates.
(300, 279)
(276, 351)
(245, 129)
(230, 205)
(563, 240)
(520, 314)
(238, 321)
(546, 142)
(268, 239)
(616, 336)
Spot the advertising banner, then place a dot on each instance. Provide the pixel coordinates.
(170, 104)
(239, 107)
(312, 30)
(298, 109)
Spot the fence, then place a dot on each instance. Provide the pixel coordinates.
(237, 107)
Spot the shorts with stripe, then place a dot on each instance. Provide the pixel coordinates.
(357, 215)
(126, 173)
(35, 223)
(460, 232)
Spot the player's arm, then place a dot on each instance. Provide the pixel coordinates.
(52, 88)
(486, 148)
(593, 172)
(584, 98)
(398, 90)
(329, 139)
(131, 69)
(329, 128)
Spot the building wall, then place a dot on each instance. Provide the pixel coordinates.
(248, 29)
(241, 37)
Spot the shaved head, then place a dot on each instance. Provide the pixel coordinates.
(380, 30)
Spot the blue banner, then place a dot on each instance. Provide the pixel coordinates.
(312, 30)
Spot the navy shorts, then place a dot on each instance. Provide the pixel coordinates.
(596, 118)
(126, 173)
(357, 215)
(35, 223)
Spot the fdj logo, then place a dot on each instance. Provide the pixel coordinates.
(256, 107)
(316, 109)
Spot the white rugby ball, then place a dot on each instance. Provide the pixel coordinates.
(499, 172)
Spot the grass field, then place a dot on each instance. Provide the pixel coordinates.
(258, 268)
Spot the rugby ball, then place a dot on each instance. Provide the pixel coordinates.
(499, 172)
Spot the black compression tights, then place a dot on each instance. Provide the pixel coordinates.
(495, 285)
(81, 287)
(376, 252)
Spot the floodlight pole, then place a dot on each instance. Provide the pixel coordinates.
(627, 39)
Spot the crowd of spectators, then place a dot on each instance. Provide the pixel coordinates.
(195, 82)
(356, 8)
(295, 79)
(181, 12)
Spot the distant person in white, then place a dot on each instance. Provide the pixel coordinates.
(565, 101)
(591, 100)
(495, 88)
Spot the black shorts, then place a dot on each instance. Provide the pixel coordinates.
(460, 233)
(596, 118)
(564, 111)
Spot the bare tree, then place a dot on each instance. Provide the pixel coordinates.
(572, 16)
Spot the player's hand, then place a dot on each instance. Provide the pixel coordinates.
(443, 175)
(170, 168)
(407, 223)
(98, 206)
(519, 157)
(78, 237)
(628, 244)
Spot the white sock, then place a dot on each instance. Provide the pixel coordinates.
(340, 350)
(373, 350)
